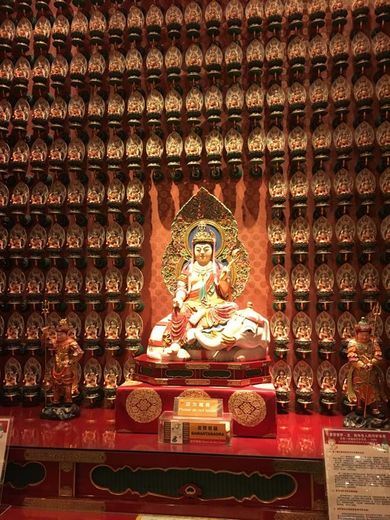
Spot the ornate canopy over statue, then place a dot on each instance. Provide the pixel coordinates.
(205, 267)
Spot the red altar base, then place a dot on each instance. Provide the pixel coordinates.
(202, 373)
(24, 513)
(139, 406)
(84, 464)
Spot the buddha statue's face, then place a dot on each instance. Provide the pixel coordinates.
(363, 336)
(203, 253)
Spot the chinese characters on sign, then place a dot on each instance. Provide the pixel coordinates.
(357, 467)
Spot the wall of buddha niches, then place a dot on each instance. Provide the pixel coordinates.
(113, 114)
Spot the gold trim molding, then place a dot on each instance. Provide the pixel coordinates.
(60, 504)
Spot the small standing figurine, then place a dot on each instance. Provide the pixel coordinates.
(365, 379)
(282, 387)
(62, 374)
(328, 390)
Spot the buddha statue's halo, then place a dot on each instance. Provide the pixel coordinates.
(204, 212)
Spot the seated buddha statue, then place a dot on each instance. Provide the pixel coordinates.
(205, 322)
(202, 293)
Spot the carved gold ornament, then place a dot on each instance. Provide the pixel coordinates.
(143, 405)
(195, 394)
(247, 407)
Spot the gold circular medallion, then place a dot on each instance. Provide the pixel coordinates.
(143, 405)
(247, 407)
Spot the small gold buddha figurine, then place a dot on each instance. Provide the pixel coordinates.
(281, 383)
(91, 330)
(328, 383)
(111, 380)
(347, 331)
(13, 332)
(92, 286)
(369, 282)
(303, 332)
(133, 285)
(91, 379)
(112, 330)
(53, 286)
(32, 332)
(30, 378)
(10, 377)
(15, 286)
(304, 384)
(346, 282)
(132, 330)
(280, 331)
(365, 378)
(325, 333)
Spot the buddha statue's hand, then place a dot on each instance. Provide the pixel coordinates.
(225, 273)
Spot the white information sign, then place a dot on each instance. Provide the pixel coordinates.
(5, 435)
(357, 464)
